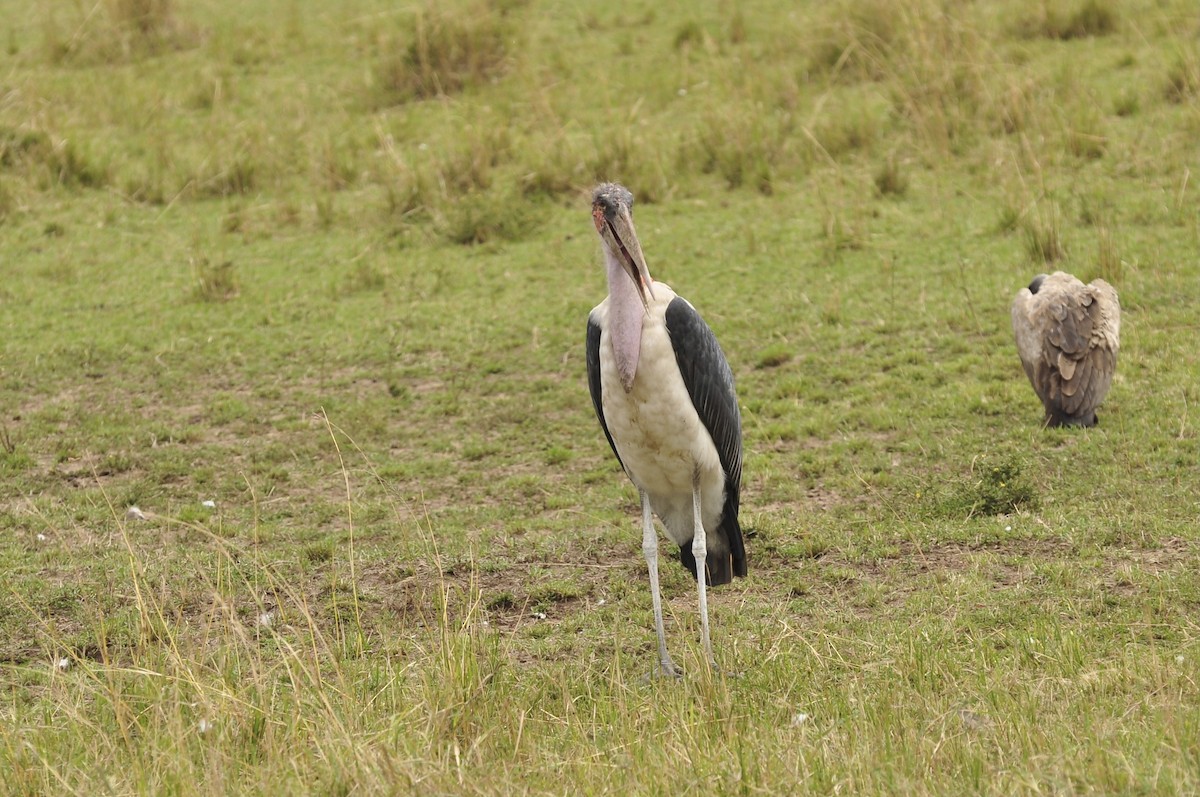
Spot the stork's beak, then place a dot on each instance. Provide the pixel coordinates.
(617, 233)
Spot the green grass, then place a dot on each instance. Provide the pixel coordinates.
(328, 268)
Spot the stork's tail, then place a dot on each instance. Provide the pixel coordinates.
(720, 566)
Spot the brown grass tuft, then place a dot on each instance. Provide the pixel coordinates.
(1091, 18)
(1043, 239)
(122, 31)
(8, 202)
(213, 282)
(1108, 259)
(447, 51)
(487, 216)
(1183, 78)
(890, 179)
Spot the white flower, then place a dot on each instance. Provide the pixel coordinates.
(204, 726)
(41, 537)
(133, 513)
(210, 504)
(601, 602)
(266, 618)
(63, 663)
(799, 719)
(1179, 659)
(539, 615)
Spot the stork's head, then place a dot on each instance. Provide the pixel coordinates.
(612, 212)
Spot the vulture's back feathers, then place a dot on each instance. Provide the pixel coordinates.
(1067, 336)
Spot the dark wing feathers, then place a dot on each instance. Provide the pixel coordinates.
(709, 382)
(593, 370)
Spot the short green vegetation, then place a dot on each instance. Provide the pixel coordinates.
(302, 492)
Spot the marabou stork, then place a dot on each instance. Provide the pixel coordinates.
(1067, 336)
(663, 393)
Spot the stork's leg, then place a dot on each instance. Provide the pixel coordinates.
(700, 552)
(650, 549)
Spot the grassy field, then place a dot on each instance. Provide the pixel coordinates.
(307, 285)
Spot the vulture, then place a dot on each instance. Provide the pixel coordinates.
(1067, 337)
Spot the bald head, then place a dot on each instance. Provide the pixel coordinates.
(610, 198)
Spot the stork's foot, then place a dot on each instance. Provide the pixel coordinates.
(715, 669)
(723, 673)
(676, 674)
(668, 671)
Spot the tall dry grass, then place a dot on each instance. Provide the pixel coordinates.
(116, 31)
(447, 49)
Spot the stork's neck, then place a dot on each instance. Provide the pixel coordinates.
(625, 316)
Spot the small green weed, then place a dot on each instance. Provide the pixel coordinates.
(998, 489)
(554, 591)
(774, 355)
(225, 409)
(319, 552)
(14, 461)
(558, 455)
